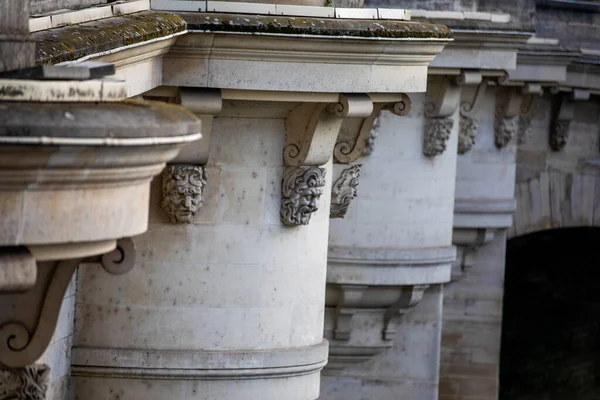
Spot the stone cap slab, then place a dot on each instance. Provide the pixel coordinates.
(77, 41)
(28, 123)
(385, 29)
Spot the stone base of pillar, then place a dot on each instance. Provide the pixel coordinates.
(161, 374)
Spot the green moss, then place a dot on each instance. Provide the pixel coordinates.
(315, 26)
(329, 3)
(76, 41)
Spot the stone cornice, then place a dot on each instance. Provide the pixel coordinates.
(496, 48)
(286, 26)
(263, 55)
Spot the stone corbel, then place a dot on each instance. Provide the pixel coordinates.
(530, 92)
(508, 108)
(312, 129)
(348, 303)
(28, 318)
(357, 135)
(184, 181)
(467, 242)
(311, 134)
(383, 305)
(410, 297)
(563, 112)
(443, 98)
(205, 104)
(468, 124)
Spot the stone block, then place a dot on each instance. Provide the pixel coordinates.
(77, 17)
(305, 11)
(178, 5)
(129, 7)
(242, 195)
(240, 7)
(40, 24)
(356, 13)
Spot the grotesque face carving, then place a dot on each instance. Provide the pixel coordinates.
(28, 383)
(182, 188)
(437, 133)
(300, 190)
(504, 130)
(344, 191)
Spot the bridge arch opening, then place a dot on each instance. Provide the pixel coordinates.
(550, 348)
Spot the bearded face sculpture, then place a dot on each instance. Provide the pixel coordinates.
(182, 189)
(344, 191)
(300, 192)
(437, 133)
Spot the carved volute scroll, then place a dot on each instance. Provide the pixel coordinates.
(28, 383)
(312, 128)
(443, 97)
(563, 112)
(18, 270)
(182, 191)
(301, 189)
(468, 124)
(28, 320)
(344, 191)
(356, 134)
(508, 107)
(205, 103)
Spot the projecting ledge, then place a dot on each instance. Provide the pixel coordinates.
(303, 54)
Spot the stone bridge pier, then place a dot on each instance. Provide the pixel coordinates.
(227, 299)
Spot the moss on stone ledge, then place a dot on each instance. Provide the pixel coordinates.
(76, 41)
(315, 26)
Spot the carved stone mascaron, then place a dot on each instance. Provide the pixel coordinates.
(437, 133)
(301, 189)
(344, 191)
(29, 383)
(182, 191)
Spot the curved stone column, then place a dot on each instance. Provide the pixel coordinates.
(221, 303)
(483, 212)
(74, 180)
(228, 297)
(393, 244)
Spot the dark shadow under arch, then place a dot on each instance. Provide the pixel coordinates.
(550, 347)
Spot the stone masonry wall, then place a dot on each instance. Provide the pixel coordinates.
(45, 6)
(472, 326)
(473, 303)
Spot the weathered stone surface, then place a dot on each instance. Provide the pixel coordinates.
(29, 383)
(237, 295)
(73, 42)
(315, 26)
(182, 191)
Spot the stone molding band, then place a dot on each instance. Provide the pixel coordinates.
(487, 206)
(198, 364)
(389, 266)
